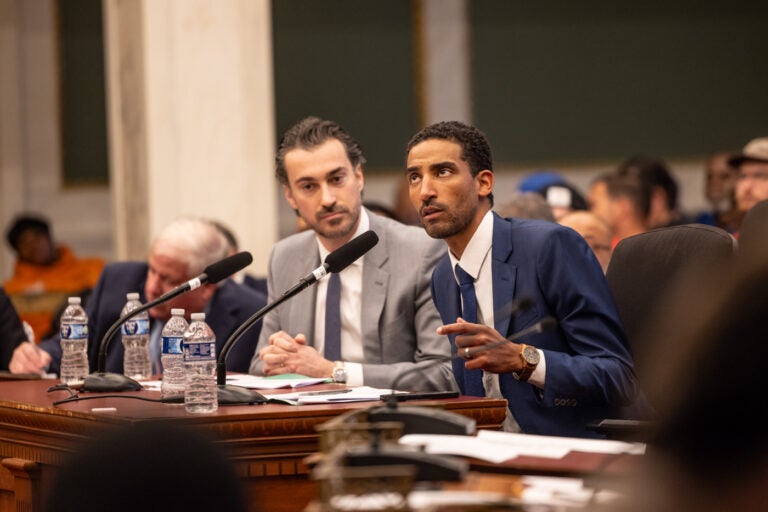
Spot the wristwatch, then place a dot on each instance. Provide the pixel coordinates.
(339, 372)
(530, 357)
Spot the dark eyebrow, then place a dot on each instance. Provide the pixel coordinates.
(329, 174)
(433, 167)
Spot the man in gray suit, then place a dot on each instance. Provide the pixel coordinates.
(388, 320)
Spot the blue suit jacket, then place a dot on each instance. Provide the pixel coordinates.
(229, 307)
(589, 369)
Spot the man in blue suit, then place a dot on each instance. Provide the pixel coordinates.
(179, 253)
(558, 381)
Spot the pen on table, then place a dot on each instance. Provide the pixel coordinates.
(329, 392)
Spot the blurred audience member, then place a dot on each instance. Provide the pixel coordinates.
(622, 202)
(754, 228)
(655, 177)
(242, 277)
(752, 177)
(719, 188)
(149, 466)
(526, 205)
(562, 196)
(45, 273)
(404, 210)
(538, 180)
(595, 231)
(381, 209)
(563, 199)
(178, 253)
(11, 330)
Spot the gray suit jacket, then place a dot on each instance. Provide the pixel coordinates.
(399, 318)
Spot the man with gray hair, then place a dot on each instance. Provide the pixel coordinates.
(179, 252)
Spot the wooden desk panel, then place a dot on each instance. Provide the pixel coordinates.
(266, 442)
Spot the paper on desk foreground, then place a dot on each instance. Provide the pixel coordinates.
(288, 380)
(496, 447)
(358, 394)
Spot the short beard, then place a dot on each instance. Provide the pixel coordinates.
(341, 231)
(453, 226)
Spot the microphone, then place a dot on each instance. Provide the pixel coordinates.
(336, 261)
(435, 421)
(213, 273)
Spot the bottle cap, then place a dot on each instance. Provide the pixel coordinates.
(132, 296)
(177, 311)
(198, 316)
(73, 300)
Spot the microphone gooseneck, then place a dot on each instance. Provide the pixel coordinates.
(336, 261)
(213, 273)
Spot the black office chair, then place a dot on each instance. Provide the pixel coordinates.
(645, 267)
(643, 271)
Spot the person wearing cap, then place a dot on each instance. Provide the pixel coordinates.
(719, 187)
(45, 273)
(752, 176)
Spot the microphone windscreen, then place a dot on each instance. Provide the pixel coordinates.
(342, 257)
(228, 266)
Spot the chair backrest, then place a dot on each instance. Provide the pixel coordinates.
(645, 267)
(753, 233)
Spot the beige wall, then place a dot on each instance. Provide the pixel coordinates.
(190, 120)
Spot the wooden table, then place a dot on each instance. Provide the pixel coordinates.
(267, 443)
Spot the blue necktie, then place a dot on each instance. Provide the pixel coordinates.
(333, 319)
(473, 379)
(468, 297)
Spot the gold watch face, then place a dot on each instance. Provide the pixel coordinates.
(531, 355)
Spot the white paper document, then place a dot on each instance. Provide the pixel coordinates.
(255, 382)
(465, 446)
(359, 394)
(551, 446)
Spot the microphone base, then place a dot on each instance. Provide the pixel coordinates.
(238, 395)
(109, 382)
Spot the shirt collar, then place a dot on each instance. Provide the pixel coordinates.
(478, 247)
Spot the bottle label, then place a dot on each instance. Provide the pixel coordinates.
(136, 327)
(199, 351)
(172, 345)
(74, 331)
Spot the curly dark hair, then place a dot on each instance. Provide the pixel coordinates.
(475, 149)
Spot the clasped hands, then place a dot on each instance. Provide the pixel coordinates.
(288, 354)
(470, 338)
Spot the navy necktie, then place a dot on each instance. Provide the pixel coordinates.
(333, 319)
(468, 297)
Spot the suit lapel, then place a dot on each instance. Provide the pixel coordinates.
(302, 307)
(374, 291)
(504, 274)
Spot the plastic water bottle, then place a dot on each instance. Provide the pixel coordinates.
(137, 363)
(173, 356)
(200, 393)
(74, 344)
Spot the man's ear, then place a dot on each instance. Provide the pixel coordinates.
(289, 197)
(484, 183)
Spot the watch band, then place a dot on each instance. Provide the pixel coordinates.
(530, 357)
